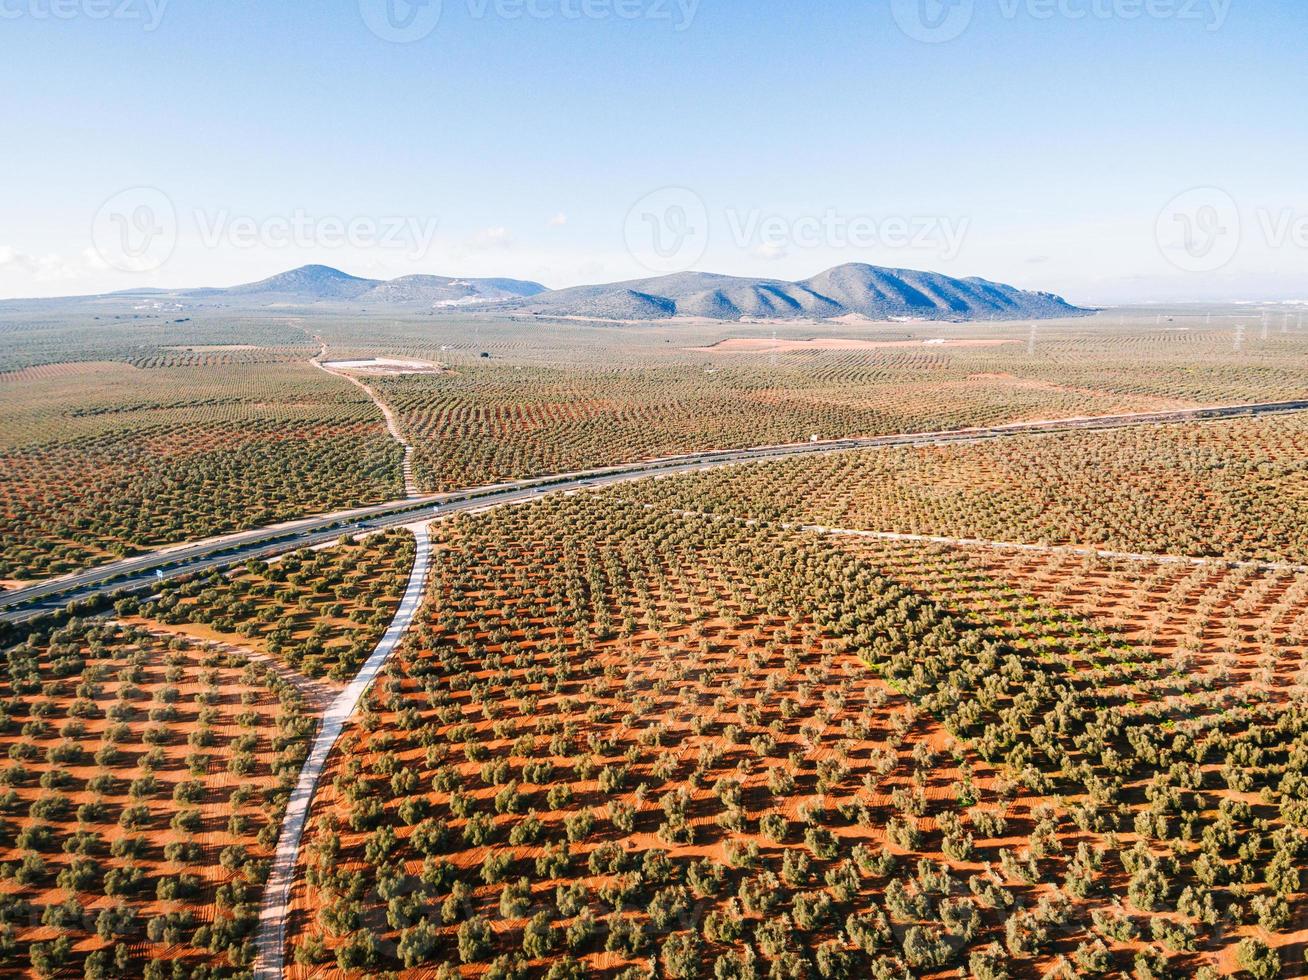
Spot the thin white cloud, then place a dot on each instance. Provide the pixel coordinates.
(10, 256)
(491, 238)
(40, 267)
(559, 220)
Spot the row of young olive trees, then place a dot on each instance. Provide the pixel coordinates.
(141, 797)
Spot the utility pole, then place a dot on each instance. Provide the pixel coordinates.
(1239, 337)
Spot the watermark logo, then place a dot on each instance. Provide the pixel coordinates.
(775, 235)
(406, 21)
(302, 230)
(679, 13)
(148, 13)
(401, 21)
(1286, 228)
(933, 21)
(1199, 230)
(938, 21)
(135, 230)
(668, 230)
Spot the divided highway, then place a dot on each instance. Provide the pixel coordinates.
(21, 605)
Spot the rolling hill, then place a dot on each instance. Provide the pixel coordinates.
(444, 291)
(865, 290)
(323, 284)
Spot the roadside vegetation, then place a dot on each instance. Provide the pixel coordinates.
(320, 611)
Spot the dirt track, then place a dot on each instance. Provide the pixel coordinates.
(271, 938)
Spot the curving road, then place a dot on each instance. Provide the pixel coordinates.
(33, 601)
(392, 423)
(270, 941)
(28, 603)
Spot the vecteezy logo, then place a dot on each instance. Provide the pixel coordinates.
(135, 230)
(401, 21)
(932, 21)
(1199, 230)
(668, 230)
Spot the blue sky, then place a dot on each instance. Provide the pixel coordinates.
(1046, 145)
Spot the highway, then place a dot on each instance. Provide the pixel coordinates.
(132, 574)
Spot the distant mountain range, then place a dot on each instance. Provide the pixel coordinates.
(860, 290)
(321, 283)
(848, 290)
